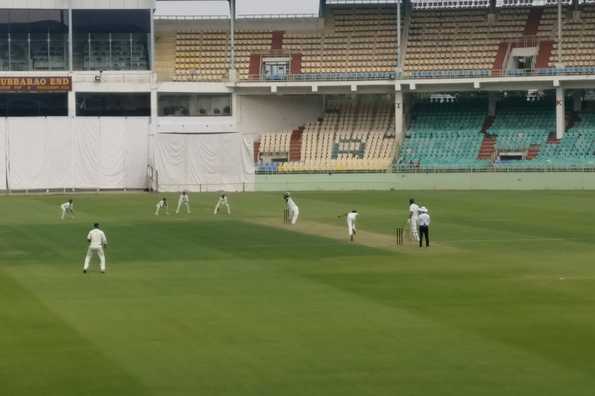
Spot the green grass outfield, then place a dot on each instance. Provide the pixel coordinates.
(502, 304)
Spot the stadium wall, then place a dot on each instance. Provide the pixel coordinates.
(428, 181)
(259, 114)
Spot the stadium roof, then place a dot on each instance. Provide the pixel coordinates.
(245, 8)
(214, 9)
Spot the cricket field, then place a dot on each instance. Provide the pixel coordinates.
(502, 303)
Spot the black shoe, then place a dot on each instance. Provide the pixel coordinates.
(84, 271)
(103, 272)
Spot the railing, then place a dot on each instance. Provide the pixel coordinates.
(124, 76)
(339, 76)
(492, 169)
(393, 76)
(502, 168)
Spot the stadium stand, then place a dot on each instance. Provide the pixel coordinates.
(354, 40)
(575, 149)
(444, 135)
(204, 56)
(520, 124)
(359, 42)
(460, 136)
(351, 137)
(461, 39)
(577, 36)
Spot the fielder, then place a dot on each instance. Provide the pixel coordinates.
(222, 201)
(183, 200)
(67, 209)
(97, 242)
(412, 220)
(161, 205)
(293, 209)
(351, 220)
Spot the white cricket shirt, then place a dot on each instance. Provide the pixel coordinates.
(97, 238)
(291, 204)
(414, 209)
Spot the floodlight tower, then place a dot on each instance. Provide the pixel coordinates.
(560, 64)
(232, 40)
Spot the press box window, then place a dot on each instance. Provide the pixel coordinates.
(113, 104)
(192, 105)
(34, 105)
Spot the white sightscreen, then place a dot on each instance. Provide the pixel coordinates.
(81, 153)
(2, 155)
(204, 162)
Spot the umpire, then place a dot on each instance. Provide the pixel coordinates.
(423, 220)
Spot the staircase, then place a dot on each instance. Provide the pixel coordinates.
(487, 123)
(277, 43)
(295, 145)
(543, 55)
(533, 151)
(551, 138)
(488, 147)
(571, 119)
(533, 21)
(256, 151)
(500, 57)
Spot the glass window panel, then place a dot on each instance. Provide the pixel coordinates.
(34, 105)
(194, 105)
(4, 19)
(29, 46)
(100, 51)
(19, 21)
(40, 59)
(111, 21)
(19, 51)
(121, 51)
(80, 52)
(58, 51)
(119, 39)
(3, 51)
(140, 51)
(113, 105)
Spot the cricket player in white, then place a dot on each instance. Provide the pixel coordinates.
(97, 241)
(161, 205)
(294, 211)
(67, 209)
(222, 201)
(351, 220)
(183, 200)
(413, 215)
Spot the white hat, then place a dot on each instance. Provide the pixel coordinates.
(423, 209)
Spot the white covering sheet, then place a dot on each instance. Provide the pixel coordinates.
(80, 153)
(2, 155)
(204, 162)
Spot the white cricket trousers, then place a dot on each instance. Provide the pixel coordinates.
(351, 227)
(219, 204)
(294, 214)
(414, 229)
(66, 212)
(158, 210)
(186, 205)
(99, 253)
